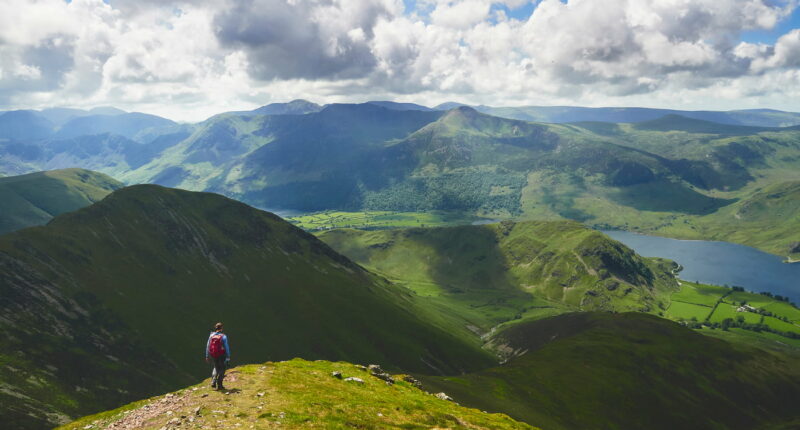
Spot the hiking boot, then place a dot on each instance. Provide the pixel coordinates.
(221, 388)
(213, 385)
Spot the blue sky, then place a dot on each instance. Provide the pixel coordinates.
(770, 36)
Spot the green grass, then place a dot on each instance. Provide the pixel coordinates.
(303, 394)
(728, 310)
(782, 325)
(377, 220)
(783, 309)
(630, 371)
(699, 294)
(497, 273)
(694, 302)
(35, 198)
(687, 311)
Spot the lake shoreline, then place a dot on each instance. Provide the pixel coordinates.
(719, 262)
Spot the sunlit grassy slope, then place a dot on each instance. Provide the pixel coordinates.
(35, 198)
(509, 271)
(300, 394)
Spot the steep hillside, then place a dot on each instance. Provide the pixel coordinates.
(299, 394)
(769, 219)
(111, 303)
(35, 198)
(510, 271)
(630, 371)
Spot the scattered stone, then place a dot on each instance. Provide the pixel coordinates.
(362, 368)
(169, 413)
(282, 415)
(261, 394)
(413, 381)
(380, 414)
(88, 426)
(217, 412)
(376, 371)
(194, 389)
(443, 396)
(204, 395)
(197, 411)
(354, 379)
(174, 421)
(336, 374)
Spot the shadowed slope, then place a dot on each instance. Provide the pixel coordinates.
(630, 371)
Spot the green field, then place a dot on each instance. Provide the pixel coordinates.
(694, 302)
(688, 311)
(728, 310)
(699, 294)
(782, 325)
(784, 309)
(378, 219)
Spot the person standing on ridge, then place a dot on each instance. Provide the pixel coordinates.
(217, 349)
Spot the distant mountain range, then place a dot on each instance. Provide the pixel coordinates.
(649, 170)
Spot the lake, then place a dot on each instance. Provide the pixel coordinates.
(720, 263)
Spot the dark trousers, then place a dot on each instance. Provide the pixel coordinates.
(218, 374)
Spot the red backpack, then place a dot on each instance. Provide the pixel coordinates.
(215, 347)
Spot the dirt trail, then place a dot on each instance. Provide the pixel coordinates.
(171, 405)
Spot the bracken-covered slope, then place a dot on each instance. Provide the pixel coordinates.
(513, 270)
(769, 219)
(35, 198)
(112, 303)
(631, 371)
(299, 394)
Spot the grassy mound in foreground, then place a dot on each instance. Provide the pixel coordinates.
(298, 394)
(631, 371)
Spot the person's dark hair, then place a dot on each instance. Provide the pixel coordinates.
(218, 326)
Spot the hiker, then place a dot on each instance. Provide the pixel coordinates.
(217, 349)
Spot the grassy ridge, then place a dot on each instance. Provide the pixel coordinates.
(132, 283)
(631, 371)
(511, 271)
(301, 394)
(35, 198)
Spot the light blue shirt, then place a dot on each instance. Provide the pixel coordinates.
(224, 343)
